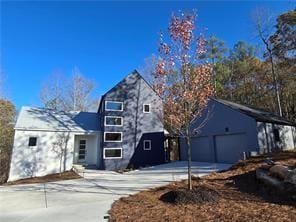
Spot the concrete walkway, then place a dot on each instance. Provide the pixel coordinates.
(90, 198)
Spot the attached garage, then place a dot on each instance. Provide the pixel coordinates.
(232, 129)
(201, 150)
(229, 148)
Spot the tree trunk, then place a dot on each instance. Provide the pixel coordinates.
(275, 80)
(214, 75)
(189, 162)
(274, 75)
(61, 159)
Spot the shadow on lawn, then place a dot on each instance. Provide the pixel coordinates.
(249, 184)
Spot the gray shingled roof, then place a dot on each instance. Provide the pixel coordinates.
(258, 115)
(31, 118)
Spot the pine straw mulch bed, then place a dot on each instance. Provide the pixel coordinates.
(67, 175)
(240, 197)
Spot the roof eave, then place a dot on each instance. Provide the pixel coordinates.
(56, 130)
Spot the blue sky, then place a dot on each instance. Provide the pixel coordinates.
(105, 40)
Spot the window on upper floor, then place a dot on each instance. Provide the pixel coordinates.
(113, 106)
(112, 153)
(32, 141)
(113, 136)
(113, 121)
(146, 108)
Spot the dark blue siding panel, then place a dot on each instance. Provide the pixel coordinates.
(156, 155)
(134, 92)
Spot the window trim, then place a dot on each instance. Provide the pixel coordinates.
(107, 148)
(36, 141)
(149, 144)
(106, 101)
(147, 104)
(112, 141)
(105, 124)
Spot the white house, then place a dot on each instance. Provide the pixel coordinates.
(47, 141)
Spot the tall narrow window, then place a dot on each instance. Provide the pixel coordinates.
(82, 150)
(113, 106)
(146, 108)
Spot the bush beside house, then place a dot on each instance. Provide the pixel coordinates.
(7, 114)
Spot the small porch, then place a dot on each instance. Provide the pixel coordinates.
(172, 148)
(86, 150)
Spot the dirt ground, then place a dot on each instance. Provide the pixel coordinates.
(68, 175)
(241, 198)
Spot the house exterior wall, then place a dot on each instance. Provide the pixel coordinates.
(267, 141)
(223, 121)
(137, 126)
(43, 159)
(32, 161)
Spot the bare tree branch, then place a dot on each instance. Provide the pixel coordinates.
(2, 83)
(79, 92)
(73, 94)
(51, 93)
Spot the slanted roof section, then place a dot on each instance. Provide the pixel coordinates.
(135, 74)
(257, 114)
(130, 75)
(31, 118)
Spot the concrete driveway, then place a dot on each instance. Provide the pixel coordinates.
(89, 198)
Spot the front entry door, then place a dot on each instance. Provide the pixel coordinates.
(82, 151)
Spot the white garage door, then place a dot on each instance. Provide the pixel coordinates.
(229, 148)
(200, 150)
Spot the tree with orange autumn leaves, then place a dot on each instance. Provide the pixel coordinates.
(181, 79)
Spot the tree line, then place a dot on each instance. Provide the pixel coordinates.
(7, 116)
(265, 80)
(263, 76)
